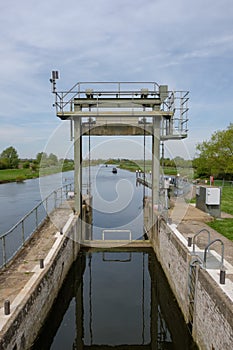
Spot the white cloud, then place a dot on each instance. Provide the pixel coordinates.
(187, 45)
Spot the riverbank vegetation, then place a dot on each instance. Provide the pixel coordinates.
(20, 175)
(14, 169)
(214, 158)
(173, 167)
(224, 226)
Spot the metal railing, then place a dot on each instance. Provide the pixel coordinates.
(207, 249)
(196, 234)
(174, 103)
(15, 238)
(65, 99)
(117, 231)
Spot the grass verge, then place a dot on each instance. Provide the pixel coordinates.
(223, 226)
(227, 200)
(20, 175)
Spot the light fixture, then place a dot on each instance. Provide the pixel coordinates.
(55, 74)
(89, 93)
(144, 93)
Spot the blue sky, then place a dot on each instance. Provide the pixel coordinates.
(187, 45)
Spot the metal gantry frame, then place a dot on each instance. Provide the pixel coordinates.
(125, 99)
(122, 108)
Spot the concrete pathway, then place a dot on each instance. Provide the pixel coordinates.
(20, 270)
(187, 219)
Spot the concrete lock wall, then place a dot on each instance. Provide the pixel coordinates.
(174, 260)
(213, 322)
(212, 325)
(24, 325)
(213, 310)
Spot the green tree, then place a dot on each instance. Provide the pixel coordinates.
(52, 159)
(216, 155)
(26, 165)
(3, 163)
(42, 159)
(39, 157)
(10, 158)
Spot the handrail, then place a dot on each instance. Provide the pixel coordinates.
(196, 234)
(116, 260)
(128, 231)
(207, 247)
(33, 218)
(196, 259)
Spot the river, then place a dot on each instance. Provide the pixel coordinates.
(109, 299)
(17, 199)
(118, 300)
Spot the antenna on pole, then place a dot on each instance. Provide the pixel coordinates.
(54, 77)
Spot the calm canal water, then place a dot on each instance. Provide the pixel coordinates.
(115, 300)
(17, 199)
(109, 299)
(117, 203)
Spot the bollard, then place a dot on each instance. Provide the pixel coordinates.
(41, 263)
(222, 275)
(189, 241)
(7, 310)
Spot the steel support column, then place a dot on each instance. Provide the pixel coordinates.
(78, 166)
(155, 161)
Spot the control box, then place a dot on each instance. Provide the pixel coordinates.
(213, 196)
(208, 199)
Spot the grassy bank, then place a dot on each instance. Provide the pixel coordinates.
(20, 175)
(139, 165)
(224, 226)
(17, 175)
(227, 200)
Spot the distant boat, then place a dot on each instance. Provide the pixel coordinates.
(114, 170)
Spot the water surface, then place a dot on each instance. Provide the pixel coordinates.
(117, 300)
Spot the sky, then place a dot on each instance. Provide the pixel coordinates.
(187, 45)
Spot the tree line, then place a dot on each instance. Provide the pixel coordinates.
(214, 157)
(9, 159)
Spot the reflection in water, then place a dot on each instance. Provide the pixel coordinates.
(20, 198)
(117, 300)
(117, 202)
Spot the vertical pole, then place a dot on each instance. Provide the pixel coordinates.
(155, 161)
(46, 205)
(55, 199)
(23, 235)
(78, 170)
(89, 159)
(79, 299)
(144, 161)
(36, 217)
(4, 250)
(154, 320)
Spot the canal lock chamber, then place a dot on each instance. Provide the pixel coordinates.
(119, 297)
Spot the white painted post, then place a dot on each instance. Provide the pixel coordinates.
(155, 162)
(78, 171)
(77, 164)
